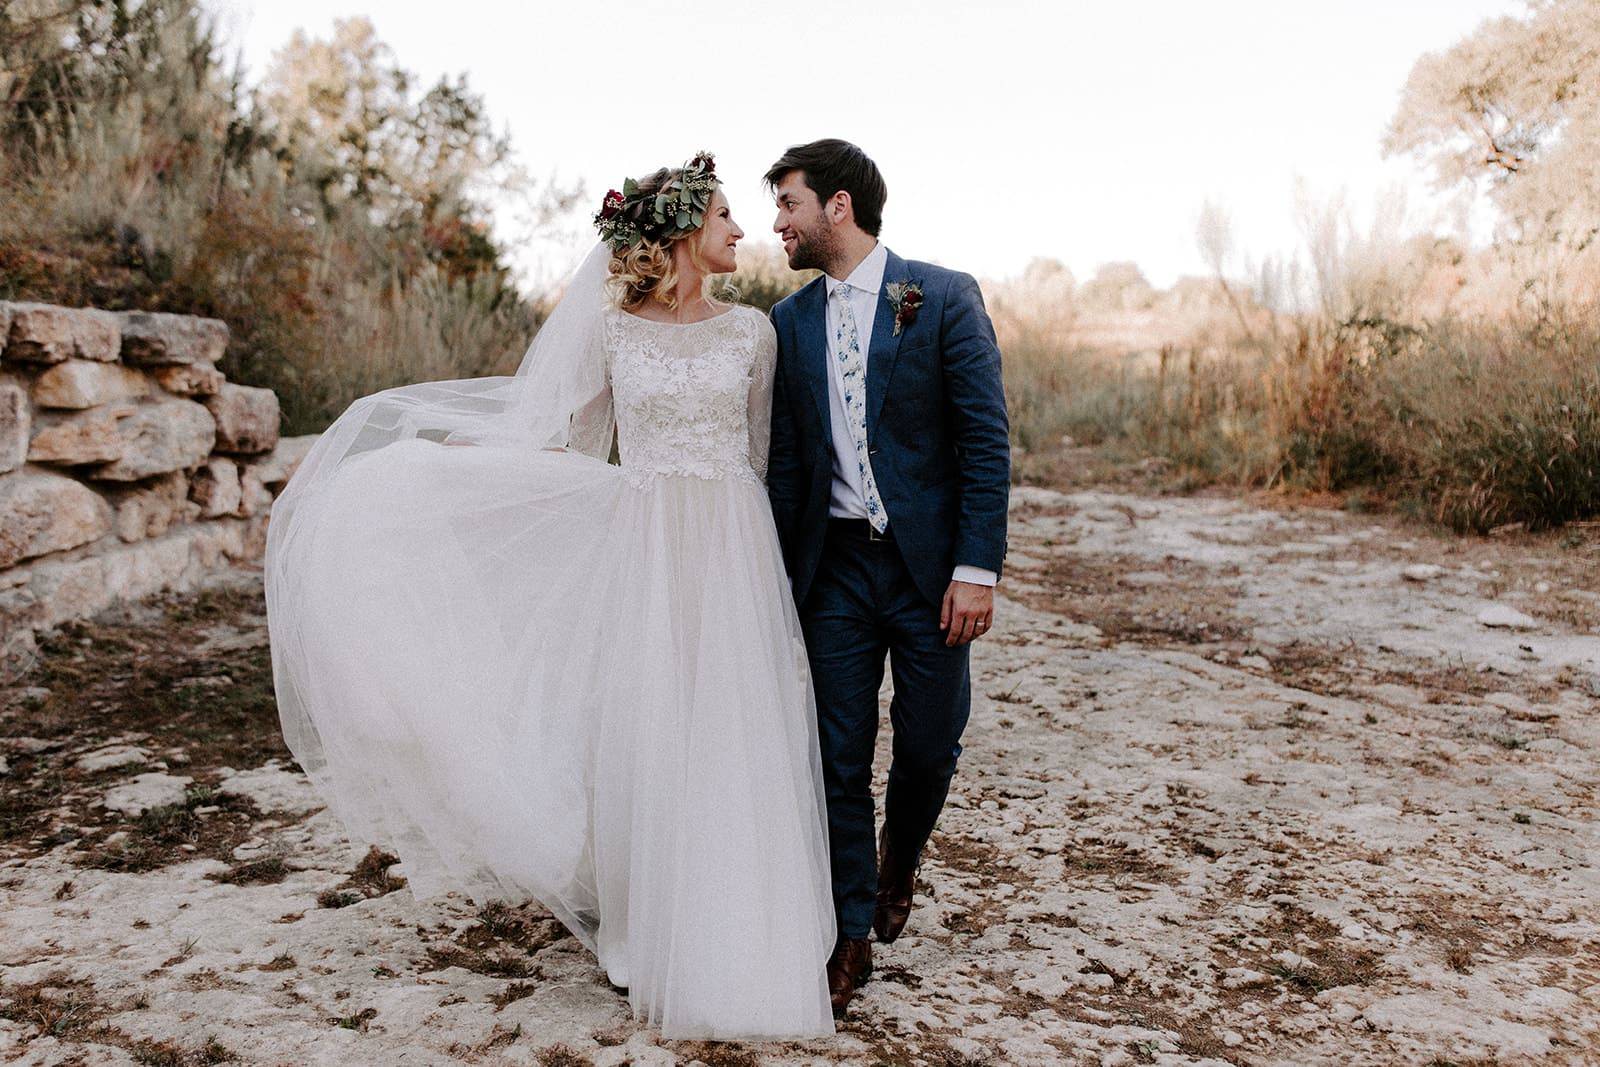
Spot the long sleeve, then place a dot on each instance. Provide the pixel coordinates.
(978, 413)
(594, 423)
(760, 405)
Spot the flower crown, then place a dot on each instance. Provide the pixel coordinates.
(629, 217)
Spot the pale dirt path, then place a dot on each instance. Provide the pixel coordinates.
(1234, 791)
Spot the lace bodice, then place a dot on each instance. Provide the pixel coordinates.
(694, 398)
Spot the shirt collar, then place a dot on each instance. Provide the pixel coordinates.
(868, 275)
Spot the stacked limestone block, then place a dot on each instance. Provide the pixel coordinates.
(128, 465)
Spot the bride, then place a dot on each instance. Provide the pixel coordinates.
(531, 672)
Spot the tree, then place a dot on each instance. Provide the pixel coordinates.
(1516, 105)
(345, 113)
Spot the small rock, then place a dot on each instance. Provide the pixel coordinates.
(1244, 978)
(190, 379)
(272, 788)
(16, 426)
(78, 384)
(147, 791)
(169, 436)
(1541, 587)
(161, 339)
(246, 418)
(33, 697)
(1422, 572)
(1508, 702)
(1501, 617)
(216, 487)
(5, 768)
(251, 849)
(42, 512)
(1559, 912)
(29, 746)
(104, 759)
(45, 333)
(1232, 1038)
(1255, 663)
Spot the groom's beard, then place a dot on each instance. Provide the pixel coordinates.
(815, 251)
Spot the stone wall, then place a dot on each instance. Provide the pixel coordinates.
(128, 464)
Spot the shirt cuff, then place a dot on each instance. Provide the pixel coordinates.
(974, 575)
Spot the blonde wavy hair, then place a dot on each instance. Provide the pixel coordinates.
(647, 271)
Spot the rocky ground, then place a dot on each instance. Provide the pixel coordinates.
(1245, 783)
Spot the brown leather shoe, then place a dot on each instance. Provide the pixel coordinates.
(848, 970)
(896, 882)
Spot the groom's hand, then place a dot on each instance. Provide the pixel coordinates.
(967, 612)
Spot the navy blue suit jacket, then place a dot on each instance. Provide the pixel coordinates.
(936, 429)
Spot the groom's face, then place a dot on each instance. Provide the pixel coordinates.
(807, 232)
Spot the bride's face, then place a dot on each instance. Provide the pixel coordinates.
(719, 236)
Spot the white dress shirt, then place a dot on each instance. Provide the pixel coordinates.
(847, 500)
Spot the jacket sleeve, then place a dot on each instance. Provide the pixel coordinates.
(977, 402)
(784, 474)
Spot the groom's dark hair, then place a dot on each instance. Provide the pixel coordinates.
(830, 165)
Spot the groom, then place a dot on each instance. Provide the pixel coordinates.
(889, 474)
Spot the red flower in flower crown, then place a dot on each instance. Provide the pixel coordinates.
(611, 205)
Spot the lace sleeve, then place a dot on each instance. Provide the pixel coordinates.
(760, 411)
(594, 423)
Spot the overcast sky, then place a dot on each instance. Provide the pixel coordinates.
(1082, 130)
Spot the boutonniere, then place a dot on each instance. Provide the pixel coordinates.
(905, 298)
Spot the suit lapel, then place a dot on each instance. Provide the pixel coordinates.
(884, 348)
(812, 333)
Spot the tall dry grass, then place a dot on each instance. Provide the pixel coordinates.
(1475, 415)
(137, 172)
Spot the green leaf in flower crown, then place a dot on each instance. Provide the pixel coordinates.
(683, 219)
(630, 187)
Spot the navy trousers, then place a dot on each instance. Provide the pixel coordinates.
(862, 606)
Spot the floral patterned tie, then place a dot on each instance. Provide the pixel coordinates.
(853, 372)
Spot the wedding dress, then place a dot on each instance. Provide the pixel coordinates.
(531, 672)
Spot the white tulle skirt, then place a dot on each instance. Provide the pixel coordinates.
(543, 675)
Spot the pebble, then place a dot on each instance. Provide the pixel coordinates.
(147, 791)
(30, 746)
(1244, 978)
(104, 759)
(1258, 663)
(1508, 702)
(1422, 572)
(1500, 617)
